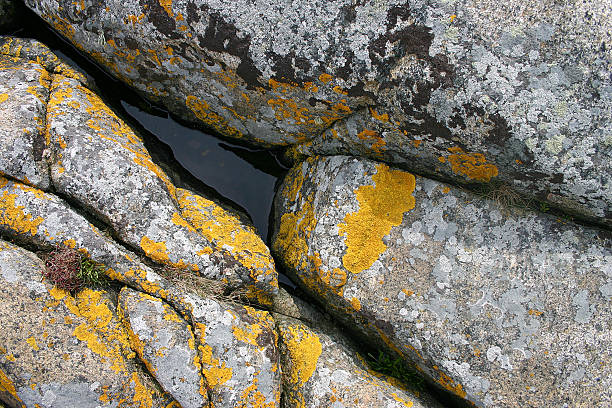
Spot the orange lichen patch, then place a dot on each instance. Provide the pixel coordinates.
(472, 165)
(408, 292)
(252, 398)
(99, 329)
(325, 78)
(154, 250)
(310, 87)
(334, 280)
(226, 231)
(262, 322)
(32, 342)
(202, 111)
(356, 304)
(381, 207)
(380, 117)
(402, 401)
(7, 386)
(13, 216)
(216, 373)
(416, 142)
(304, 349)
(372, 136)
(3, 97)
(290, 239)
(289, 109)
(447, 382)
(535, 312)
(338, 89)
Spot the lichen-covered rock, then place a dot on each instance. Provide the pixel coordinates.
(59, 350)
(502, 306)
(239, 353)
(96, 160)
(322, 369)
(472, 91)
(166, 344)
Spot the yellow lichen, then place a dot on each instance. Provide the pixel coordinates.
(32, 342)
(13, 216)
(226, 231)
(381, 207)
(304, 349)
(472, 165)
(3, 97)
(7, 386)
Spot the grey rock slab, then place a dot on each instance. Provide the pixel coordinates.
(24, 91)
(238, 347)
(166, 345)
(322, 368)
(102, 164)
(59, 350)
(470, 91)
(78, 146)
(502, 306)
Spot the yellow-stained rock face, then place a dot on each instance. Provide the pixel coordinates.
(323, 368)
(72, 346)
(381, 207)
(451, 282)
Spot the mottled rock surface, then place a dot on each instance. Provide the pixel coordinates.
(471, 91)
(166, 344)
(321, 368)
(239, 353)
(502, 306)
(59, 350)
(70, 141)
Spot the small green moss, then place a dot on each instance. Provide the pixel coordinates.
(396, 368)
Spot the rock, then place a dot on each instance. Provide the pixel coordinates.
(237, 344)
(98, 162)
(500, 305)
(166, 345)
(63, 351)
(436, 87)
(322, 368)
(239, 353)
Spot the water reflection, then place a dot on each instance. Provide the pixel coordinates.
(245, 176)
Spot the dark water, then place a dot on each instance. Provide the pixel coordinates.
(239, 176)
(219, 164)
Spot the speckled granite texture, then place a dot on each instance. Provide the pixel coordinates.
(501, 306)
(511, 92)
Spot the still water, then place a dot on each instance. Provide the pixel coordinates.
(218, 164)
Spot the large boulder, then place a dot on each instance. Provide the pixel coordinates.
(473, 92)
(62, 137)
(322, 368)
(498, 304)
(166, 345)
(58, 350)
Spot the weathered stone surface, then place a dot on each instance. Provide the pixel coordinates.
(503, 91)
(239, 353)
(237, 344)
(96, 160)
(166, 344)
(63, 351)
(322, 369)
(504, 307)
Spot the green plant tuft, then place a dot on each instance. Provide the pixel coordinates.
(68, 269)
(396, 368)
